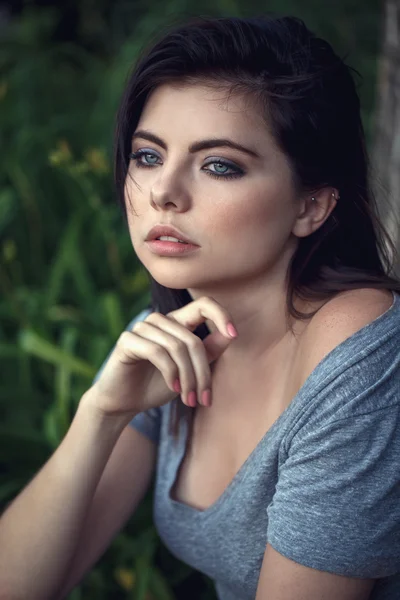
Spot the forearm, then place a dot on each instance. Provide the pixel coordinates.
(39, 530)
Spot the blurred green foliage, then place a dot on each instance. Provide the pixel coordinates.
(69, 279)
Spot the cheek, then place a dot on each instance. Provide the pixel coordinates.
(246, 216)
(132, 192)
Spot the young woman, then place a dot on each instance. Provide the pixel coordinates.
(262, 384)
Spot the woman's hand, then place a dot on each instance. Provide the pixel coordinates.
(161, 352)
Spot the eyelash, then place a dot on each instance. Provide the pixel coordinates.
(136, 157)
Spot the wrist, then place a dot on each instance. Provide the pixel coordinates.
(89, 404)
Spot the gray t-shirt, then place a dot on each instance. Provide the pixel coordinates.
(322, 486)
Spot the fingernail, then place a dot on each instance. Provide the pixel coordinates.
(177, 385)
(192, 399)
(206, 397)
(231, 330)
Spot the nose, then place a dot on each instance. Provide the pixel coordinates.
(169, 192)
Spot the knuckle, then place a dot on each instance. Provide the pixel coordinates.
(170, 315)
(123, 338)
(152, 318)
(171, 368)
(138, 326)
(195, 343)
(210, 301)
(207, 300)
(158, 352)
(177, 346)
(166, 362)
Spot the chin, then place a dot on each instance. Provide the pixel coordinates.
(172, 283)
(174, 280)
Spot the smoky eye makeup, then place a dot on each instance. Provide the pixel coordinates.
(150, 161)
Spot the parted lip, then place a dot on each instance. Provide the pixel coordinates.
(159, 230)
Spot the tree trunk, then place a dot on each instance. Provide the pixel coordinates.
(386, 157)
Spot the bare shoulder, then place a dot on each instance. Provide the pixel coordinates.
(352, 309)
(338, 319)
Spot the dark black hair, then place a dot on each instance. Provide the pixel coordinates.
(308, 96)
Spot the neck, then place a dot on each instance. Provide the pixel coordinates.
(261, 321)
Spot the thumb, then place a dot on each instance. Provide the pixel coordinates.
(215, 344)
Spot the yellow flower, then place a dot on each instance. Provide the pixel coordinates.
(97, 160)
(62, 155)
(125, 578)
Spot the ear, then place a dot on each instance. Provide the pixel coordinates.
(313, 213)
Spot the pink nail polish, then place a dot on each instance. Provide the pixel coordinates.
(206, 398)
(177, 385)
(231, 330)
(192, 399)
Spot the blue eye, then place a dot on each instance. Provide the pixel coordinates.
(136, 156)
(221, 163)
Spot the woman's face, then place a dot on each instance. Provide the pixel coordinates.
(242, 223)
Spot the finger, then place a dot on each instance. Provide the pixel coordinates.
(194, 347)
(201, 310)
(214, 345)
(133, 347)
(171, 337)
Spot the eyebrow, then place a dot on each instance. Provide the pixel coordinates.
(196, 146)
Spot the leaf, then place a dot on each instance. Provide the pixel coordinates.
(143, 562)
(113, 312)
(32, 343)
(51, 427)
(159, 585)
(80, 273)
(142, 572)
(62, 261)
(63, 394)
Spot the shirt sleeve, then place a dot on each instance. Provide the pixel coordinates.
(336, 505)
(147, 422)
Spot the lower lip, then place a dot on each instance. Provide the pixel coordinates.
(170, 248)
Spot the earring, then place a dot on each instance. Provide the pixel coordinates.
(333, 194)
